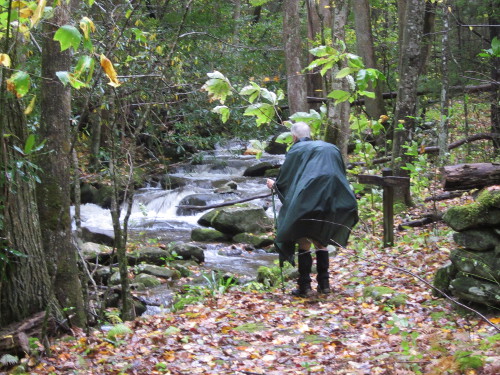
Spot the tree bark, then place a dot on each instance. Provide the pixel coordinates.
(338, 130)
(296, 80)
(470, 176)
(24, 279)
(364, 43)
(54, 192)
(495, 78)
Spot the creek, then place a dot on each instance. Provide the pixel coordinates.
(156, 218)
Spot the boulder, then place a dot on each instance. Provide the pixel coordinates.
(477, 239)
(196, 200)
(472, 289)
(157, 271)
(208, 235)
(256, 240)
(150, 255)
(96, 253)
(244, 218)
(188, 251)
(471, 216)
(148, 281)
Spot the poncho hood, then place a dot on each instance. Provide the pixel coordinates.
(318, 202)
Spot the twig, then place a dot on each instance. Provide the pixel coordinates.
(223, 204)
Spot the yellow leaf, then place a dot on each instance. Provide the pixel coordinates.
(25, 13)
(495, 320)
(38, 12)
(87, 26)
(110, 71)
(4, 59)
(30, 106)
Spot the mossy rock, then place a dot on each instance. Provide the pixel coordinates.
(443, 278)
(157, 271)
(149, 281)
(475, 290)
(483, 265)
(271, 276)
(256, 240)
(385, 295)
(208, 235)
(485, 211)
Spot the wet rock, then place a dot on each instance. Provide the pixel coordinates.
(196, 200)
(149, 255)
(483, 265)
(256, 240)
(157, 271)
(208, 235)
(257, 170)
(245, 218)
(99, 236)
(188, 251)
(232, 251)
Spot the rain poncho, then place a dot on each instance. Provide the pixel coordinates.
(318, 202)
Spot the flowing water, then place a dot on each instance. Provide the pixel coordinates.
(155, 210)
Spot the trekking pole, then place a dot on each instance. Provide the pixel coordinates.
(276, 228)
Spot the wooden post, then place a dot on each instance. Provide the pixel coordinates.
(388, 202)
(388, 182)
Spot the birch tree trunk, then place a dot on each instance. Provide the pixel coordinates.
(294, 54)
(364, 43)
(409, 69)
(338, 130)
(445, 97)
(54, 192)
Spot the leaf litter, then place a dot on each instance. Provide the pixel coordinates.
(346, 332)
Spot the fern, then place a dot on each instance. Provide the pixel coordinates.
(118, 330)
(8, 360)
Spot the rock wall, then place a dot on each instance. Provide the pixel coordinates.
(473, 273)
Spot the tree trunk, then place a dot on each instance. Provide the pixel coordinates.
(24, 278)
(338, 130)
(364, 43)
(445, 96)
(54, 191)
(409, 69)
(470, 176)
(319, 19)
(296, 80)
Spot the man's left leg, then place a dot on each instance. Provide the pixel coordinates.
(322, 264)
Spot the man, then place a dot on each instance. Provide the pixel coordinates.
(319, 206)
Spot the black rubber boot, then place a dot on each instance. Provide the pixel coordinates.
(304, 282)
(322, 264)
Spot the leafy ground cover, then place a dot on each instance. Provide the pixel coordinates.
(378, 320)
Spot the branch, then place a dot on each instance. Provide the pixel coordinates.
(223, 204)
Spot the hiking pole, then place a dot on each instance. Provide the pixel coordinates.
(276, 228)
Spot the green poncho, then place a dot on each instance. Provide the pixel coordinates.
(318, 202)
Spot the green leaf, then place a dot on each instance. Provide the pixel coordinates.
(258, 3)
(68, 36)
(270, 96)
(339, 96)
(495, 46)
(19, 83)
(28, 145)
(285, 138)
(172, 331)
(68, 78)
(344, 72)
(252, 90)
(368, 94)
(223, 111)
(217, 86)
(263, 112)
(354, 61)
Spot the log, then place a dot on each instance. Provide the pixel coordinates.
(445, 196)
(426, 219)
(470, 176)
(14, 338)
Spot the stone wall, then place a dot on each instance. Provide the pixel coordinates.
(473, 273)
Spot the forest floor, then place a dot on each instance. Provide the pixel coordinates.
(270, 332)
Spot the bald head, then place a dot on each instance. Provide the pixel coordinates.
(300, 130)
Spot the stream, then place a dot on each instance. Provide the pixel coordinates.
(155, 214)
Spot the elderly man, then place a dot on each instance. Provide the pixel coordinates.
(319, 206)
